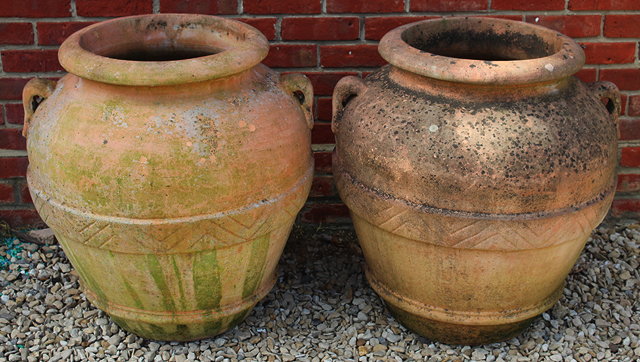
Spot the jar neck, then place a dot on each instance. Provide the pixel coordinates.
(244, 80)
(477, 92)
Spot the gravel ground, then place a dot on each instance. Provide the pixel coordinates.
(321, 309)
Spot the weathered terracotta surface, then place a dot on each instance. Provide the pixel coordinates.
(171, 184)
(475, 166)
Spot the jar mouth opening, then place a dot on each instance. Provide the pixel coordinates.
(160, 54)
(479, 43)
(162, 49)
(482, 51)
(143, 52)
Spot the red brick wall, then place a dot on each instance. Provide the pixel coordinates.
(325, 39)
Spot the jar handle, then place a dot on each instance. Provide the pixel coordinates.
(36, 91)
(610, 92)
(347, 88)
(300, 88)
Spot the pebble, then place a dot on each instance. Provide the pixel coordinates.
(394, 338)
(322, 309)
(114, 340)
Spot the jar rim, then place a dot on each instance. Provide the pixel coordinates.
(224, 46)
(537, 54)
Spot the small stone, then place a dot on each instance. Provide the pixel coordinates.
(64, 355)
(114, 340)
(393, 338)
(379, 347)
(479, 354)
(42, 236)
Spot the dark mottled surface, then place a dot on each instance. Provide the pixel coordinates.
(513, 155)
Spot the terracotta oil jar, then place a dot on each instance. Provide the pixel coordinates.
(171, 165)
(475, 167)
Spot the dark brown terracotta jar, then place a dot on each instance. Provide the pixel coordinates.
(475, 167)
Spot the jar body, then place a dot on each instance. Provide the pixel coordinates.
(173, 203)
(472, 202)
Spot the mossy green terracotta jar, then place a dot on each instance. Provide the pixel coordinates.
(171, 164)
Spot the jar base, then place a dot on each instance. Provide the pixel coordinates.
(446, 327)
(172, 332)
(179, 326)
(458, 334)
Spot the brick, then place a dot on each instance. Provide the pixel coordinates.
(13, 167)
(322, 186)
(282, 7)
(267, 26)
(42, 60)
(11, 139)
(25, 196)
(506, 17)
(527, 5)
(628, 183)
(625, 79)
(16, 33)
(3, 113)
(322, 134)
(292, 56)
(575, 26)
(21, 217)
(323, 108)
(630, 129)
(449, 5)
(365, 6)
(113, 7)
(324, 82)
(623, 103)
(347, 28)
(376, 28)
(11, 88)
(634, 106)
(14, 113)
(212, 7)
(56, 33)
(630, 157)
(622, 26)
(609, 53)
(604, 5)
(35, 8)
(6, 193)
(625, 207)
(587, 75)
(325, 213)
(322, 162)
(365, 55)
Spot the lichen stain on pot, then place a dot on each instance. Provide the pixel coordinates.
(473, 174)
(171, 167)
